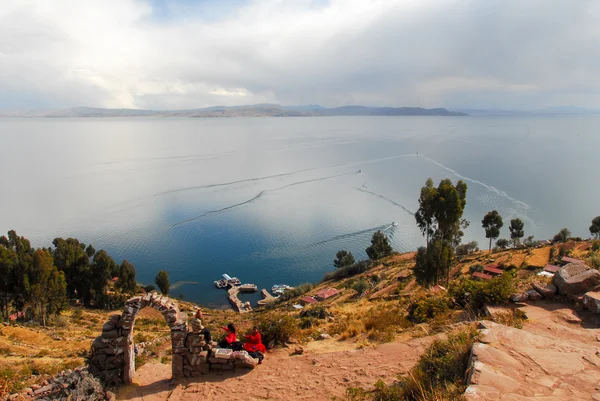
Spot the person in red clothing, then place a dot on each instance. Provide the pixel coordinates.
(254, 345)
(230, 340)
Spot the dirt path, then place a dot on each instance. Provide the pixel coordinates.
(315, 375)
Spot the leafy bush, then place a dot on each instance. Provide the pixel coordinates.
(594, 260)
(562, 236)
(465, 249)
(595, 245)
(428, 307)
(318, 312)
(477, 267)
(348, 271)
(277, 327)
(502, 243)
(476, 294)
(360, 286)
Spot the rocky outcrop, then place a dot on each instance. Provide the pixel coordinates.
(71, 385)
(547, 291)
(591, 300)
(514, 364)
(574, 280)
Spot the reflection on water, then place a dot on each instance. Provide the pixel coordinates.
(272, 200)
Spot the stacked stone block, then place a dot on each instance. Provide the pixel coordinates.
(113, 356)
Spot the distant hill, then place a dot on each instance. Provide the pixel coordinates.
(256, 110)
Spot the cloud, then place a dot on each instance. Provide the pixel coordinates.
(163, 54)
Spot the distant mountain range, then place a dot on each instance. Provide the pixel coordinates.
(257, 110)
(559, 110)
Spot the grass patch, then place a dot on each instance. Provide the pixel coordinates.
(439, 375)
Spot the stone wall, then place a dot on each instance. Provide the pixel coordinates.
(113, 356)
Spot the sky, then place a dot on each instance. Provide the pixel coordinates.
(169, 54)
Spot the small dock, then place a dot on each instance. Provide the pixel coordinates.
(247, 288)
(267, 298)
(232, 296)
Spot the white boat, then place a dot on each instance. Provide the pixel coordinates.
(221, 284)
(279, 289)
(394, 224)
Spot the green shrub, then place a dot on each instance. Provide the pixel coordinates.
(428, 307)
(477, 267)
(318, 312)
(595, 245)
(360, 286)
(277, 327)
(348, 271)
(476, 294)
(594, 260)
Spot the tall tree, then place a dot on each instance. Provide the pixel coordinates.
(126, 281)
(19, 279)
(425, 214)
(440, 219)
(563, 235)
(380, 247)
(8, 261)
(492, 223)
(101, 271)
(162, 281)
(48, 286)
(71, 257)
(343, 258)
(595, 227)
(516, 231)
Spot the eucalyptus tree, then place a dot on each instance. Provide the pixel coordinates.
(492, 223)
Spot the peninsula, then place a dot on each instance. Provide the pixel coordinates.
(256, 110)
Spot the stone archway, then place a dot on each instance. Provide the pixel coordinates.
(112, 353)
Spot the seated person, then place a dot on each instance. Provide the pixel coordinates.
(254, 345)
(230, 340)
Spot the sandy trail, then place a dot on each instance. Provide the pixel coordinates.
(315, 375)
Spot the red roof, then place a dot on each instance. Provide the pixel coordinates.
(16, 316)
(308, 300)
(492, 270)
(326, 293)
(567, 259)
(551, 268)
(494, 266)
(482, 276)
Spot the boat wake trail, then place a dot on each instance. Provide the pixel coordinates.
(386, 199)
(223, 184)
(261, 193)
(384, 227)
(503, 194)
(266, 177)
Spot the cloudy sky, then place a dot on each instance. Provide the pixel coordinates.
(175, 54)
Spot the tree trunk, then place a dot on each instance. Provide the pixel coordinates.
(490, 244)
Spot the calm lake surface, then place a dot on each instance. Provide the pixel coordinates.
(271, 200)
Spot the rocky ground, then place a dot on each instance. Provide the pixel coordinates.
(556, 356)
(325, 369)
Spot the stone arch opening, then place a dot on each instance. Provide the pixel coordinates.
(113, 354)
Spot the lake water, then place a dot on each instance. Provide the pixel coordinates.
(271, 200)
